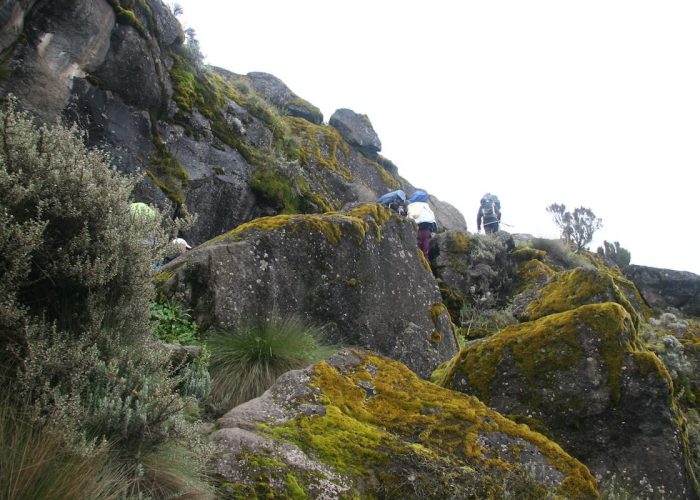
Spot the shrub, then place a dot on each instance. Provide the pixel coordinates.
(74, 300)
(246, 361)
(577, 227)
(615, 253)
(172, 324)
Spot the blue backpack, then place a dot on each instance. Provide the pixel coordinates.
(419, 195)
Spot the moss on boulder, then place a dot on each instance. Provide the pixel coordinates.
(571, 289)
(582, 377)
(363, 426)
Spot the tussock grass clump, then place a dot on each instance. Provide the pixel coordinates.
(35, 464)
(247, 360)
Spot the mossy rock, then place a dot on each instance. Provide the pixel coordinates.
(570, 289)
(525, 254)
(586, 380)
(366, 427)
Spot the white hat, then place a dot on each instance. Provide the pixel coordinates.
(181, 243)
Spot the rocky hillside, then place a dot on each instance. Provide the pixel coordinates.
(226, 147)
(501, 367)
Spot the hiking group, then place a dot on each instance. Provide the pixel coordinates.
(416, 207)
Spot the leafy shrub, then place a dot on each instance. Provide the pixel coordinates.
(74, 300)
(246, 361)
(173, 324)
(577, 227)
(615, 253)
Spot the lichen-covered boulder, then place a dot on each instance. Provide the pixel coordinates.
(664, 288)
(359, 273)
(356, 129)
(363, 426)
(472, 269)
(570, 289)
(581, 377)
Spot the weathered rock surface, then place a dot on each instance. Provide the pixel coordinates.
(229, 147)
(582, 378)
(278, 94)
(475, 270)
(359, 274)
(356, 129)
(364, 426)
(664, 288)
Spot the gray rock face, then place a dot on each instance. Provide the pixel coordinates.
(664, 288)
(67, 40)
(357, 130)
(358, 273)
(447, 216)
(364, 426)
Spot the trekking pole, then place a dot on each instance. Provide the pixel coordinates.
(497, 222)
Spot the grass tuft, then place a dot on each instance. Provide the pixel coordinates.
(247, 360)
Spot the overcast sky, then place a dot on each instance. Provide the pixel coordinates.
(593, 104)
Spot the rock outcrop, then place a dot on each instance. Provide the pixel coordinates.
(363, 426)
(665, 288)
(226, 147)
(358, 273)
(357, 130)
(576, 370)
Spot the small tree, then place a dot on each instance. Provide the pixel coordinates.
(615, 253)
(577, 227)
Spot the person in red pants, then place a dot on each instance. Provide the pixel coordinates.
(421, 213)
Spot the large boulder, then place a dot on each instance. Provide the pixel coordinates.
(359, 274)
(581, 377)
(277, 93)
(357, 130)
(664, 288)
(363, 426)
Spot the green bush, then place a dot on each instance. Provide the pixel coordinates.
(75, 290)
(173, 324)
(247, 360)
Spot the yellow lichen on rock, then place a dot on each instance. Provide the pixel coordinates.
(379, 410)
(571, 289)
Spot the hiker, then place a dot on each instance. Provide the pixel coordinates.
(421, 213)
(395, 200)
(178, 247)
(489, 213)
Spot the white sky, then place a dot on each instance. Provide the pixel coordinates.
(593, 104)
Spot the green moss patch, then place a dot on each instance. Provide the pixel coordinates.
(571, 289)
(407, 418)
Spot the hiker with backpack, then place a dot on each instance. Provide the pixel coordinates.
(489, 213)
(394, 200)
(421, 213)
